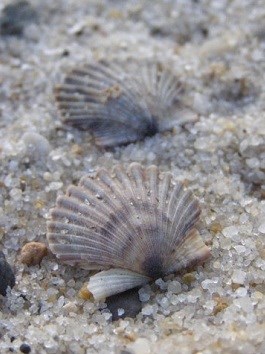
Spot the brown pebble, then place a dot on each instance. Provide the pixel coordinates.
(235, 286)
(221, 304)
(188, 278)
(84, 293)
(215, 227)
(32, 253)
(77, 149)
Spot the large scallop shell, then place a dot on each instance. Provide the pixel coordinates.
(120, 105)
(135, 225)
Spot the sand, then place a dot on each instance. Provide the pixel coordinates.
(217, 49)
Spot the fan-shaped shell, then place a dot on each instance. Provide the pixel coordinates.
(138, 221)
(118, 104)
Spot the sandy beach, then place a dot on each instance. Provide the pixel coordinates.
(217, 50)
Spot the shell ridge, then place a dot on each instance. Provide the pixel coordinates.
(149, 79)
(191, 214)
(126, 82)
(136, 219)
(146, 186)
(144, 235)
(164, 188)
(100, 73)
(81, 252)
(113, 281)
(173, 207)
(114, 204)
(126, 209)
(130, 194)
(133, 120)
(88, 241)
(83, 239)
(75, 251)
(94, 220)
(191, 251)
(102, 91)
(177, 202)
(130, 94)
(167, 85)
(153, 182)
(185, 221)
(139, 194)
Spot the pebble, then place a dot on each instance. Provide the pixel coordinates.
(126, 304)
(7, 277)
(140, 346)
(144, 293)
(25, 348)
(230, 231)
(84, 293)
(32, 253)
(261, 228)
(239, 276)
(174, 287)
(15, 16)
(221, 304)
(188, 278)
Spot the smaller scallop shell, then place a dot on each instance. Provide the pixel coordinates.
(120, 106)
(135, 225)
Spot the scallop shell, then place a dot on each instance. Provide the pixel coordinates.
(120, 105)
(135, 225)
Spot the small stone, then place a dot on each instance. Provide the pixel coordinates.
(238, 276)
(54, 186)
(84, 293)
(230, 231)
(174, 287)
(262, 228)
(188, 278)
(120, 312)
(235, 286)
(144, 293)
(25, 348)
(77, 149)
(161, 283)
(215, 227)
(39, 204)
(70, 307)
(15, 16)
(16, 194)
(7, 277)
(221, 304)
(241, 292)
(209, 284)
(32, 253)
(128, 301)
(148, 310)
(77, 29)
(140, 346)
(245, 304)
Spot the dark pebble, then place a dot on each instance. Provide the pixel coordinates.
(15, 16)
(25, 348)
(128, 300)
(7, 277)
